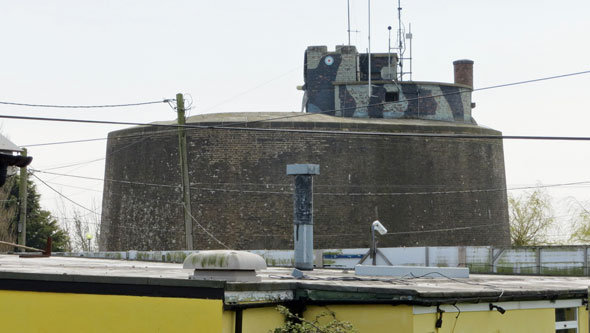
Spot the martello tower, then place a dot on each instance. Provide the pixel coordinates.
(427, 190)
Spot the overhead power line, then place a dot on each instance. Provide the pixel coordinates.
(230, 125)
(65, 197)
(252, 89)
(416, 98)
(108, 180)
(452, 191)
(90, 210)
(421, 231)
(205, 230)
(85, 106)
(288, 130)
(80, 164)
(61, 142)
(167, 101)
(210, 189)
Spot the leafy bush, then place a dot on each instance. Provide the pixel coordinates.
(296, 324)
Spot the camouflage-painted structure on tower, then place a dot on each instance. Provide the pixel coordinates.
(336, 83)
(426, 190)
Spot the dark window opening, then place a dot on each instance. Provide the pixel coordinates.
(391, 96)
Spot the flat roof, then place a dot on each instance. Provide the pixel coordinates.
(277, 284)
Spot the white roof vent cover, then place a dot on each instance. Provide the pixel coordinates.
(225, 265)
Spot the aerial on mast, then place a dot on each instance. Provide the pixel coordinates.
(369, 54)
(401, 44)
(400, 41)
(348, 30)
(348, 7)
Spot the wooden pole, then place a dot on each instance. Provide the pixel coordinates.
(186, 194)
(22, 246)
(23, 205)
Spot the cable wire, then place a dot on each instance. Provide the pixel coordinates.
(104, 179)
(229, 126)
(84, 106)
(410, 232)
(416, 98)
(324, 193)
(445, 229)
(204, 229)
(252, 89)
(452, 192)
(65, 197)
(284, 130)
(62, 142)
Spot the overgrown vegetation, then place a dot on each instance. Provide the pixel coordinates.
(40, 223)
(580, 222)
(7, 216)
(78, 224)
(325, 322)
(531, 218)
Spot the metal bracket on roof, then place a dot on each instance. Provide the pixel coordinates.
(44, 253)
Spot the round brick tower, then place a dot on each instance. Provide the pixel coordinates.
(426, 191)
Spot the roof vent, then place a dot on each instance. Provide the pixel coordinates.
(225, 265)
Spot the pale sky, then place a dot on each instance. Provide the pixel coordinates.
(235, 56)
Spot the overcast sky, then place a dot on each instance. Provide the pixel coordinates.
(235, 56)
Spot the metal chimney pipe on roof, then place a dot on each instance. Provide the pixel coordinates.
(464, 72)
(303, 213)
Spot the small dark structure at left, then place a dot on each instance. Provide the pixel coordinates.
(8, 159)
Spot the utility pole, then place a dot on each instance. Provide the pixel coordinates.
(186, 193)
(22, 225)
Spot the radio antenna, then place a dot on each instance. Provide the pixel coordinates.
(389, 48)
(410, 37)
(399, 37)
(348, 7)
(349, 30)
(369, 55)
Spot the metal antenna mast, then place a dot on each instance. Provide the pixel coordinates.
(348, 5)
(410, 37)
(399, 36)
(389, 47)
(348, 30)
(369, 55)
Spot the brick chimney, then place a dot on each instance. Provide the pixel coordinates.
(464, 72)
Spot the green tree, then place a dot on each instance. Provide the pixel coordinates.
(581, 222)
(40, 223)
(7, 216)
(531, 218)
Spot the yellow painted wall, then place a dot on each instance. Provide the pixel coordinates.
(583, 320)
(60, 312)
(521, 321)
(388, 318)
(261, 320)
(367, 317)
(228, 322)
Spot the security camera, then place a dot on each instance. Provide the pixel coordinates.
(377, 226)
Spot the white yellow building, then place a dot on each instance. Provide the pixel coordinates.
(60, 294)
